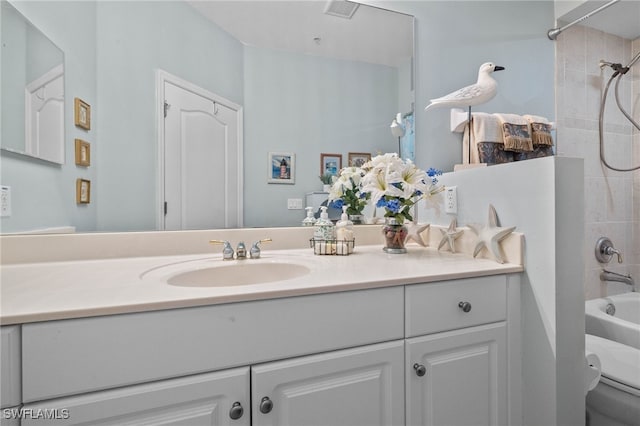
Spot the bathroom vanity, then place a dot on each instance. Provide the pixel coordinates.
(424, 338)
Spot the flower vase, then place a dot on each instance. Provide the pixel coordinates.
(395, 235)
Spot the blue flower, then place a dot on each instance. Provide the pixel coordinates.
(381, 203)
(394, 205)
(337, 203)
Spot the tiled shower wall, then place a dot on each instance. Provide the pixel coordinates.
(612, 199)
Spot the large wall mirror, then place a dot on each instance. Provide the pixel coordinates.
(32, 90)
(307, 82)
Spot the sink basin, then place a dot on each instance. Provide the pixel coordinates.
(238, 274)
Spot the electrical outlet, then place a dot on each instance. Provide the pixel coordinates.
(5, 201)
(294, 203)
(450, 200)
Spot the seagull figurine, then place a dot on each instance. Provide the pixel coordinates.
(483, 91)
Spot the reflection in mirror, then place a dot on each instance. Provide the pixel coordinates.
(32, 90)
(307, 82)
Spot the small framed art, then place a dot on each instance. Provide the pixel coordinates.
(282, 167)
(330, 163)
(83, 191)
(83, 153)
(357, 159)
(82, 114)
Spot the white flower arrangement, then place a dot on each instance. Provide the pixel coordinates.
(397, 184)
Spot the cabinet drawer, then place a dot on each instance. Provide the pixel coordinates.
(431, 308)
(83, 355)
(10, 366)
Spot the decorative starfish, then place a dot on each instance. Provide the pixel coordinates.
(414, 232)
(450, 235)
(490, 235)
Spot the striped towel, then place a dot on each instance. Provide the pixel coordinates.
(516, 132)
(540, 130)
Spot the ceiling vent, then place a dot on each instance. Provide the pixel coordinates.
(341, 8)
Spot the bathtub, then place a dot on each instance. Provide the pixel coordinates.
(623, 326)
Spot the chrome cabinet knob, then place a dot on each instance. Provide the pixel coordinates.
(236, 411)
(465, 306)
(266, 405)
(420, 369)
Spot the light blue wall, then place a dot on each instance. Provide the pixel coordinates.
(308, 105)
(44, 193)
(134, 40)
(453, 38)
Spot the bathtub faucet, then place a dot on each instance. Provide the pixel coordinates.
(614, 276)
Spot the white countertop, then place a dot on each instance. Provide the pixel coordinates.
(32, 292)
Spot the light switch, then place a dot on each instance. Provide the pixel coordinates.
(294, 203)
(5, 201)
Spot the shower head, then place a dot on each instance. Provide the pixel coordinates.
(604, 63)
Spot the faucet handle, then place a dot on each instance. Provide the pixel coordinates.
(605, 251)
(254, 253)
(227, 250)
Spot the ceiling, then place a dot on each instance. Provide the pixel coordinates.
(621, 19)
(372, 35)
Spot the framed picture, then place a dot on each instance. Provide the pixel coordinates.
(83, 191)
(330, 163)
(357, 159)
(82, 114)
(282, 167)
(83, 153)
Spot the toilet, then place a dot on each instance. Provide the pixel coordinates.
(615, 401)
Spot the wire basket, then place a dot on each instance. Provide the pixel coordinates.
(332, 247)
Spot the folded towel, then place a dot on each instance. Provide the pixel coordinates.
(515, 132)
(486, 131)
(540, 130)
(484, 128)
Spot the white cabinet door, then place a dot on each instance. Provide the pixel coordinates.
(458, 377)
(361, 386)
(10, 366)
(200, 400)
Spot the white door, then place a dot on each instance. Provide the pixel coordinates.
(202, 164)
(44, 116)
(362, 386)
(458, 377)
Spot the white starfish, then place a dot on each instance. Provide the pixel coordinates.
(482, 91)
(450, 235)
(414, 232)
(490, 235)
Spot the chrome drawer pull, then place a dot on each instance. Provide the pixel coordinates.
(465, 306)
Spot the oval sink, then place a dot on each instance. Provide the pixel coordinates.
(238, 274)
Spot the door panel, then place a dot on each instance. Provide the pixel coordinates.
(464, 381)
(200, 400)
(201, 161)
(362, 386)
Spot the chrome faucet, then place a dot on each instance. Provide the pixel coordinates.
(227, 250)
(614, 276)
(241, 251)
(254, 253)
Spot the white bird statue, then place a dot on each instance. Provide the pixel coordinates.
(483, 91)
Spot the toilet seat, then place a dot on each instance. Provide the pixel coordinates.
(620, 364)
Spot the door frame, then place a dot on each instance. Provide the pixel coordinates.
(163, 77)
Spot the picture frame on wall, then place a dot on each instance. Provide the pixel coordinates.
(82, 114)
(357, 159)
(330, 163)
(282, 167)
(83, 191)
(83, 153)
